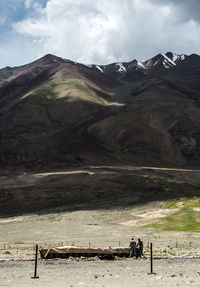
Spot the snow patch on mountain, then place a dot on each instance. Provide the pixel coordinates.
(156, 62)
(141, 65)
(99, 68)
(175, 57)
(168, 60)
(88, 65)
(166, 65)
(178, 57)
(170, 63)
(182, 57)
(121, 67)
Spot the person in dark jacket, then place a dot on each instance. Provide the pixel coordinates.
(132, 247)
(140, 247)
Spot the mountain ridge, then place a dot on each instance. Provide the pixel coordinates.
(142, 63)
(56, 113)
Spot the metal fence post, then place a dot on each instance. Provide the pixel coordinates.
(36, 259)
(151, 259)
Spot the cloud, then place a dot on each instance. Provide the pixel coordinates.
(104, 31)
(28, 3)
(185, 9)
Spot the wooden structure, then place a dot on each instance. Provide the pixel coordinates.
(68, 251)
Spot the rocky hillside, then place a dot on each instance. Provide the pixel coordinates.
(55, 113)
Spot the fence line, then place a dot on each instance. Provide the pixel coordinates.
(104, 244)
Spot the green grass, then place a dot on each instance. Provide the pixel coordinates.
(185, 218)
(61, 85)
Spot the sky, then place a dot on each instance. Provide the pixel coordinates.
(97, 31)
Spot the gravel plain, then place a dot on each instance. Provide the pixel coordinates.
(123, 273)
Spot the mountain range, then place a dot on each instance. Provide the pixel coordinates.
(56, 113)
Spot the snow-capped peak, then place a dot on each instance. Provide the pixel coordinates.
(171, 59)
(121, 67)
(178, 57)
(168, 60)
(144, 64)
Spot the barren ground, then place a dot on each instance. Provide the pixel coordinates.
(98, 226)
(123, 273)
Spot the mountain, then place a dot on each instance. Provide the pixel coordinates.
(56, 113)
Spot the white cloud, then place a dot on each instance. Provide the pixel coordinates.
(28, 3)
(185, 9)
(103, 31)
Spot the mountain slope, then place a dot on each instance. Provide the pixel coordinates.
(56, 113)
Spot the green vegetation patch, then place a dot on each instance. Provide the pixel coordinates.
(186, 216)
(62, 85)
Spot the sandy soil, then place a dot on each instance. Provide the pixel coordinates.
(146, 217)
(123, 273)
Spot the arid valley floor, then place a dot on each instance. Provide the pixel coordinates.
(171, 225)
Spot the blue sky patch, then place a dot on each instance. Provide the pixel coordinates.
(97, 31)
